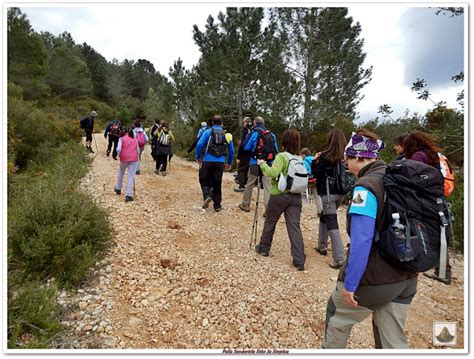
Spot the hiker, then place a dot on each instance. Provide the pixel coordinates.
(261, 144)
(128, 151)
(87, 124)
(324, 170)
(155, 127)
(142, 138)
(214, 155)
(162, 148)
(398, 147)
(308, 160)
(243, 157)
(283, 202)
(204, 127)
(420, 147)
(368, 284)
(113, 131)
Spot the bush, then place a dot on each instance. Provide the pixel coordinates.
(457, 207)
(32, 315)
(53, 229)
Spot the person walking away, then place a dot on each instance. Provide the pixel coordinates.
(128, 152)
(367, 283)
(283, 202)
(204, 127)
(113, 131)
(324, 170)
(142, 138)
(308, 160)
(262, 144)
(87, 124)
(243, 157)
(214, 155)
(398, 147)
(162, 148)
(155, 127)
(419, 146)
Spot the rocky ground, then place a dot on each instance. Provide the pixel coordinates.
(180, 277)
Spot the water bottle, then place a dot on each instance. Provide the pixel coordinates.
(402, 245)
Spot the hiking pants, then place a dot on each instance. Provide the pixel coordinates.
(253, 174)
(161, 160)
(88, 135)
(210, 178)
(140, 157)
(388, 304)
(328, 226)
(113, 141)
(243, 170)
(132, 168)
(290, 204)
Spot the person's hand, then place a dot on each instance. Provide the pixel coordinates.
(226, 167)
(317, 155)
(199, 162)
(237, 161)
(260, 161)
(349, 298)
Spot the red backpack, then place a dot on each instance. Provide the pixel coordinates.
(265, 145)
(448, 174)
(141, 139)
(115, 130)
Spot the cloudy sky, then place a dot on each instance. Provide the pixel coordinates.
(402, 42)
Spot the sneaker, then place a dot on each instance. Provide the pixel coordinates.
(336, 264)
(128, 198)
(300, 267)
(435, 276)
(164, 173)
(261, 251)
(244, 208)
(323, 252)
(137, 172)
(117, 191)
(218, 209)
(157, 172)
(206, 202)
(238, 189)
(114, 157)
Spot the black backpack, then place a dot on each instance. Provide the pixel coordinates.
(217, 144)
(84, 123)
(115, 130)
(412, 228)
(265, 149)
(343, 180)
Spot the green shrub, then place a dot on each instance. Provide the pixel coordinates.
(457, 207)
(53, 229)
(32, 314)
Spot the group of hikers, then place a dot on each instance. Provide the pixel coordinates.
(398, 219)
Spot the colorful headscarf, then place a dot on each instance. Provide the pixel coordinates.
(361, 146)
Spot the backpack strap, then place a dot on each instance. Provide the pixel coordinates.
(208, 141)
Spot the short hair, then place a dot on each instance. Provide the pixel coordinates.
(138, 123)
(305, 151)
(259, 120)
(247, 120)
(291, 141)
(217, 119)
(163, 124)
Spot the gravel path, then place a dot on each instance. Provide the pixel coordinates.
(181, 277)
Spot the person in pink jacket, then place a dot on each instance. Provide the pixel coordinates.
(128, 151)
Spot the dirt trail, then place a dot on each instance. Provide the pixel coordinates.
(221, 294)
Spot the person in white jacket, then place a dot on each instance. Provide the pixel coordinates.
(142, 139)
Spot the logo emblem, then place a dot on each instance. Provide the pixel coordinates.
(444, 333)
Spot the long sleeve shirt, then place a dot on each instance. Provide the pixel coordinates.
(363, 213)
(209, 157)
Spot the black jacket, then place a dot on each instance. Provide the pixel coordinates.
(321, 169)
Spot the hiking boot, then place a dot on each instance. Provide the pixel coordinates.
(218, 209)
(117, 191)
(206, 202)
(261, 251)
(137, 172)
(164, 173)
(336, 264)
(128, 199)
(239, 189)
(244, 208)
(114, 157)
(90, 149)
(435, 276)
(107, 153)
(300, 267)
(157, 172)
(323, 252)
(264, 213)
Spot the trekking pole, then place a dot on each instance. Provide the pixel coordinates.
(96, 147)
(253, 236)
